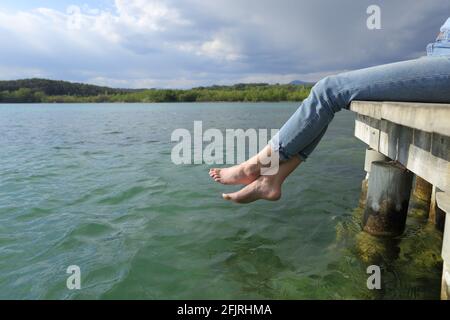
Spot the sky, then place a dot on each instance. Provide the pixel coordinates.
(189, 43)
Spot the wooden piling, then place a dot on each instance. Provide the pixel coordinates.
(387, 199)
(442, 205)
(371, 156)
(422, 189)
(437, 214)
(363, 196)
(419, 205)
(445, 285)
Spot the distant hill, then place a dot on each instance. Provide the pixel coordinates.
(300, 82)
(57, 87)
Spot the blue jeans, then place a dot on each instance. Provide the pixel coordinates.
(426, 79)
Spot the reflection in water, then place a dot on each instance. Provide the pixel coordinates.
(409, 264)
(253, 263)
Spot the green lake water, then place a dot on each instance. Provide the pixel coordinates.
(94, 186)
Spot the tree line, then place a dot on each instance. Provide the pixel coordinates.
(48, 91)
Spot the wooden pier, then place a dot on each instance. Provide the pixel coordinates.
(416, 137)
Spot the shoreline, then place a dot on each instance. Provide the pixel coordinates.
(55, 91)
(144, 102)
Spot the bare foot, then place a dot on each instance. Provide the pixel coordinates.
(244, 173)
(265, 187)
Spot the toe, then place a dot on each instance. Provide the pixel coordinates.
(226, 196)
(236, 197)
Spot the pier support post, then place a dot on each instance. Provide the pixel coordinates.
(419, 205)
(371, 156)
(387, 199)
(445, 291)
(443, 205)
(437, 214)
(445, 288)
(422, 189)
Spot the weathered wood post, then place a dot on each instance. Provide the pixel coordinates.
(436, 215)
(422, 189)
(419, 205)
(371, 156)
(445, 288)
(387, 199)
(443, 203)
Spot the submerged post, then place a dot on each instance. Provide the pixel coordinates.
(387, 199)
(422, 189)
(371, 156)
(420, 203)
(443, 203)
(445, 285)
(437, 214)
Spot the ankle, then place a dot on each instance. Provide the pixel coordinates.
(272, 187)
(251, 168)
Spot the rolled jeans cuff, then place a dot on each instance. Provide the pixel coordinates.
(283, 155)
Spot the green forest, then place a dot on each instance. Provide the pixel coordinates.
(49, 91)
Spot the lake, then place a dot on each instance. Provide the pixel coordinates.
(93, 185)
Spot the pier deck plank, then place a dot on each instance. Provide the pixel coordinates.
(415, 134)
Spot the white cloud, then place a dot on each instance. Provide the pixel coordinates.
(145, 82)
(11, 73)
(285, 78)
(220, 48)
(144, 15)
(161, 43)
